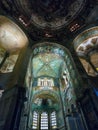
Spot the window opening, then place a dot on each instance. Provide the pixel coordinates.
(44, 121)
(53, 120)
(35, 120)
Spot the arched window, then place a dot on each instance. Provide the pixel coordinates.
(7, 61)
(35, 121)
(53, 120)
(44, 121)
(9, 64)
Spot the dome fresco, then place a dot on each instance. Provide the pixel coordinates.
(53, 14)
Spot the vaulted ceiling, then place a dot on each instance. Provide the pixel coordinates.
(47, 65)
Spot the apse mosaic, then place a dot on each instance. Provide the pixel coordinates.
(48, 102)
(45, 94)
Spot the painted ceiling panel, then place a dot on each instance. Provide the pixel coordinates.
(47, 65)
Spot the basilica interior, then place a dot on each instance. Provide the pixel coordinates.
(48, 65)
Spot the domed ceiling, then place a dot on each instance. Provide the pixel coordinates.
(50, 13)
